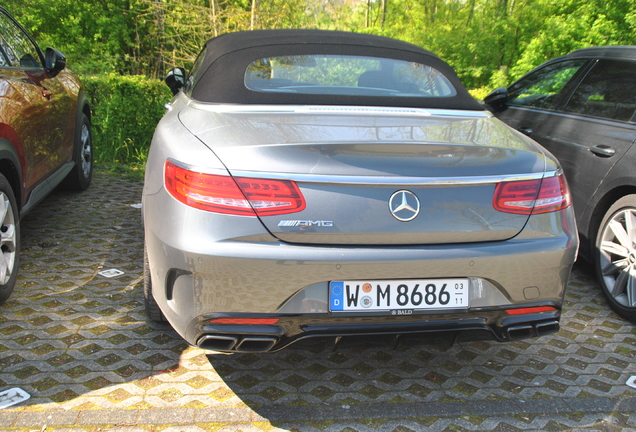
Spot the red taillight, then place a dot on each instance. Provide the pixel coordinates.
(248, 321)
(224, 194)
(523, 311)
(272, 197)
(532, 196)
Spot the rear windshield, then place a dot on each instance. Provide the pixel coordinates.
(324, 74)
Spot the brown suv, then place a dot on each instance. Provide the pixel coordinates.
(45, 135)
(582, 108)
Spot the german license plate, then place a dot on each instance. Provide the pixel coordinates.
(396, 295)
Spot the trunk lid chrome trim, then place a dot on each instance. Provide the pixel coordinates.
(393, 181)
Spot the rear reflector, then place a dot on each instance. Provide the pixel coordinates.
(240, 196)
(247, 321)
(523, 311)
(532, 196)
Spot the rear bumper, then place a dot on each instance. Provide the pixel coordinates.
(213, 266)
(494, 325)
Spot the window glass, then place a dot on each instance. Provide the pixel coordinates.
(3, 60)
(540, 89)
(346, 75)
(608, 91)
(16, 46)
(195, 72)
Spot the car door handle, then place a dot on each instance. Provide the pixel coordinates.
(602, 150)
(527, 131)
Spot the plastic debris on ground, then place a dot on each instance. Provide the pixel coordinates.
(110, 273)
(631, 381)
(12, 397)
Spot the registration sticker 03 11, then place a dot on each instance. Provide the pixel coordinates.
(386, 295)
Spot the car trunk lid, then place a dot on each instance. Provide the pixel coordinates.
(400, 177)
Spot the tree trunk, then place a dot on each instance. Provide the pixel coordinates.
(214, 11)
(161, 36)
(383, 18)
(503, 7)
(254, 13)
(471, 13)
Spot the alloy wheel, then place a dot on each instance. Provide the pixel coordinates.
(8, 239)
(617, 257)
(86, 154)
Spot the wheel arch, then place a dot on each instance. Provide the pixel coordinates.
(83, 107)
(596, 217)
(10, 168)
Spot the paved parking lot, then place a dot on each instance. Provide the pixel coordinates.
(80, 345)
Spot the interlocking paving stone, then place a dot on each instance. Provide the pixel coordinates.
(81, 346)
(593, 405)
(281, 413)
(220, 415)
(390, 410)
(493, 407)
(441, 409)
(547, 406)
(336, 412)
(97, 417)
(166, 416)
(8, 418)
(43, 418)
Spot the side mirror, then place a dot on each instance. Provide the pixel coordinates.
(54, 61)
(497, 99)
(176, 79)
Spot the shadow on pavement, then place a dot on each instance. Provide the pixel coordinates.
(79, 342)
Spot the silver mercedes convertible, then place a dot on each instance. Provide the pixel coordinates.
(309, 183)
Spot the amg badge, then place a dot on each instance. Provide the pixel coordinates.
(304, 223)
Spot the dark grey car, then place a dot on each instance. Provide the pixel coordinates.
(582, 108)
(315, 183)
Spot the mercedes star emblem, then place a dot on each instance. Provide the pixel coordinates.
(404, 205)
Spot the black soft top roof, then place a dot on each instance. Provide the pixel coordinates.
(229, 42)
(608, 51)
(218, 76)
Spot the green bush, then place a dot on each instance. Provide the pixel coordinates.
(125, 112)
(481, 92)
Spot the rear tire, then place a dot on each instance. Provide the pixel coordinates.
(615, 257)
(79, 178)
(152, 308)
(10, 240)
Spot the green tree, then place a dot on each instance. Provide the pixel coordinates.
(488, 42)
(97, 36)
(573, 24)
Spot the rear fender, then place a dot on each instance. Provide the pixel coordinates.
(83, 107)
(10, 165)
